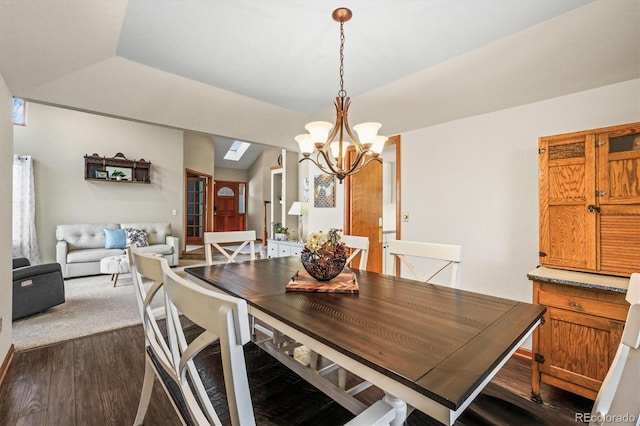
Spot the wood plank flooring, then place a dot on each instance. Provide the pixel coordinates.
(96, 380)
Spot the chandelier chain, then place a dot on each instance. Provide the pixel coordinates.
(342, 93)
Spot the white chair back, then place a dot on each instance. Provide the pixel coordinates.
(359, 245)
(617, 401)
(214, 239)
(441, 256)
(162, 353)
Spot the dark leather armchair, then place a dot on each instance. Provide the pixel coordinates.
(36, 288)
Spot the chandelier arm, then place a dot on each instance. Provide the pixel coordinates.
(355, 140)
(318, 165)
(338, 122)
(335, 170)
(359, 168)
(356, 162)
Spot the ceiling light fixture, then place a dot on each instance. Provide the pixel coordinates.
(327, 139)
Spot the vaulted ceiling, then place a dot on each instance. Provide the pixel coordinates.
(258, 70)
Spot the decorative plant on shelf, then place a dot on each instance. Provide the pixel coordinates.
(118, 174)
(280, 232)
(323, 255)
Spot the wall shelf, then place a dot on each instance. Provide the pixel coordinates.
(100, 168)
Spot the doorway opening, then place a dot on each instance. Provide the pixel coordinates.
(372, 200)
(198, 207)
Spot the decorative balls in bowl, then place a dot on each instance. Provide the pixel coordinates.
(322, 268)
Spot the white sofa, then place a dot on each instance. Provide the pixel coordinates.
(81, 247)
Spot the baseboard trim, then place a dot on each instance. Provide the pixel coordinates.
(6, 363)
(523, 353)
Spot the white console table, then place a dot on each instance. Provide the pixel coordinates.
(277, 248)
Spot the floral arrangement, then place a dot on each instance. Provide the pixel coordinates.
(323, 255)
(325, 244)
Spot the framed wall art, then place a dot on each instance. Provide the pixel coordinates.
(324, 191)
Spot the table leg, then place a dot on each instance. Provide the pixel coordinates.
(399, 405)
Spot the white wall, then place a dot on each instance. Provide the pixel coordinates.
(231, 175)
(199, 153)
(6, 280)
(321, 219)
(474, 182)
(58, 139)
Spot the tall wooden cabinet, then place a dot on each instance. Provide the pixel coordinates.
(589, 185)
(590, 200)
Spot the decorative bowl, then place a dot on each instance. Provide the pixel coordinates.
(322, 268)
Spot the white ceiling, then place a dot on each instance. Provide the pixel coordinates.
(258, 70)
(287, 52)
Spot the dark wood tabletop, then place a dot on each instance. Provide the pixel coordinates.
(439, 341)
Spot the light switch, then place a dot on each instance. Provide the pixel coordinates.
(175, 212)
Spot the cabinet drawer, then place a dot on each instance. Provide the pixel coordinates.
(284, 251)
(584, 305)
(272, 250)
(295, 251)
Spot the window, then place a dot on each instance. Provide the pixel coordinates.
(237, 150)
(19, 112)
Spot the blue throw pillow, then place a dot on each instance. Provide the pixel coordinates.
(115, 238)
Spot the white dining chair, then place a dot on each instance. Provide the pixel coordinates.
(215, 239)
(359, 246)
(161, 351)
(224, 320)
(145, 289)
(436, 258)
(617, 401)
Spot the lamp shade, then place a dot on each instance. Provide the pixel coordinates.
(378, 145)
(367, 133)
(296, 209)
(319, 131)
(305, 143)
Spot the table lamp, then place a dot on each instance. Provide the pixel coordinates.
(296, 210)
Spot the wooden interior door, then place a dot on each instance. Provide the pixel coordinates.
(364, 205)
(229, 206)
(197, 218)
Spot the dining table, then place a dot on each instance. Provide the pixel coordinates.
(428, 347)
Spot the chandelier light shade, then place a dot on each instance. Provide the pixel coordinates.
(330, 142)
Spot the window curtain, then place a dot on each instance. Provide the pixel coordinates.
(25, 243)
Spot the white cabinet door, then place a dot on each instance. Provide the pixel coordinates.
(272, 249)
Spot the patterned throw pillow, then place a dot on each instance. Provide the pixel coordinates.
(136, 236)
(115, 238)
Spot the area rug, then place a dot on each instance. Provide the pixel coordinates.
(92, 306)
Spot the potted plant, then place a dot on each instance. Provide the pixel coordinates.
(118, 174)
(280, 233)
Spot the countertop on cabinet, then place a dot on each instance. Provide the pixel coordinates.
(580, 279)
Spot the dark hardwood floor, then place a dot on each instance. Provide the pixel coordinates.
(96, 380)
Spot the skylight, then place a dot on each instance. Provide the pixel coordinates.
(237, 150)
